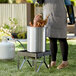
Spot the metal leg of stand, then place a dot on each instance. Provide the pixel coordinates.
(32, 62)
(45, 63)
(18, 62)
(35, 63)
(22, 63)
(29, 63)
(42, 63)
(39, 66)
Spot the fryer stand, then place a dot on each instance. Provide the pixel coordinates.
(35, 56)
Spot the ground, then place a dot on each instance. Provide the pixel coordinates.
(9, 68)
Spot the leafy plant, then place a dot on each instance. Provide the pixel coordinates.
(6, 26)
(13, 26)
(22, 35)
(4, 32)
(29, 1)
(13, 21)
(3, 1)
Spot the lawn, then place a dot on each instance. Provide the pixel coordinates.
(9, 68)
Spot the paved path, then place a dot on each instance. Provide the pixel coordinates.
(71, 36)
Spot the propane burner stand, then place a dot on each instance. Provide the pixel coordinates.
(35, 56)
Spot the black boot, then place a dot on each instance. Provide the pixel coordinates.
(70, 14)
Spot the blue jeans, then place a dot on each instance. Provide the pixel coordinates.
(67, 2)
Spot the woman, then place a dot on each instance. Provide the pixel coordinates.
(56, 29)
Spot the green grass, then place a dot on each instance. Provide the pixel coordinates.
(9, 68)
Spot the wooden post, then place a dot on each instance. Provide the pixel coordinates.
(30, 12)
(75, 28)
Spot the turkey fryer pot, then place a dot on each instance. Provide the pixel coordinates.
(36, 39)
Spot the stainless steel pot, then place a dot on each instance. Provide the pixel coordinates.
(36, 40)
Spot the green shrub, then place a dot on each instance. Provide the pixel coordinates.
(47, 39)
(21, 35)
(3, 1)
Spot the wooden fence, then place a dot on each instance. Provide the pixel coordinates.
(22, 12)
